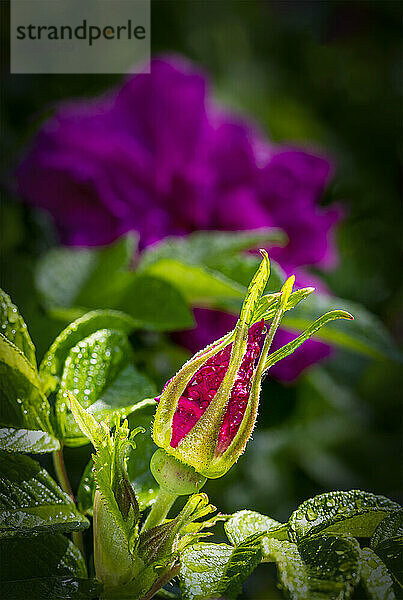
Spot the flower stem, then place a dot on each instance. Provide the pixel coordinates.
(61, 473)
(63, 479)
(160, 508)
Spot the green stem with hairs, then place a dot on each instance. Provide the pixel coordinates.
(160, 508)
(63, 479)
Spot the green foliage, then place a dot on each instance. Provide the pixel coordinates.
(199, 265)
(332, 566)
(82, 279)
(27, 441)
(354, 512)
(215, 570)
(14, 328)
(22, 402)
(375, 577)
(316, 554)
(51, 367)
(387, 542)
(111, 450)
(43, 567)
(157, 304)
(31, 502)
(245, 523)
(98, 372)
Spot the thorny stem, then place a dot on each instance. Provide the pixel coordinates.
(160, 508)
(63, 479)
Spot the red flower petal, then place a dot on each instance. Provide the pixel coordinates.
(203, 386)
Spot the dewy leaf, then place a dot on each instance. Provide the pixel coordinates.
(22, 402)
(354, 512)
(13, 327)
(391, 528)
(40, 556)
(27, 441)
(31, 502)
(86, 490)
(52, 365)
(98, 373)
(42, 568)
(131, 391)
(243, 524)
(292, 571)
(387, 542)
(323, 568)
(375, 577)
(215, 570)
(49, 588)
(366, 335)
(332, 565)
(73, 276)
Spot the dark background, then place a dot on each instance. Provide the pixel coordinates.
(323, 74)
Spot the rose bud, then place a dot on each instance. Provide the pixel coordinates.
(207, 411)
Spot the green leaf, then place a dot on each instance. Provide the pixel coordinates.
(214, 570)
(207, 266)
(22, 403)
(13, 327)
(51, 367)
(83, 276)
(155, 303)
(365, 335)
(292, 571)
(199, 285)
(98, 373)
(130, 392)
(391, 528)
(31, 502)
(46, 588)
(206, 247)
(332, 566)
(100, 278)
(86, 490)
(375, 577)
(243, 524)
(44, 567)
(27, 441)
(353, 512)
(322, 568)
(40, 556)
(387, 542)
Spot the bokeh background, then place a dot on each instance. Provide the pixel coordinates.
(323, 74)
